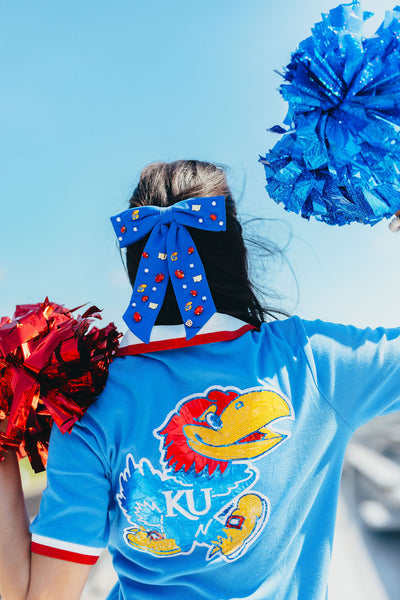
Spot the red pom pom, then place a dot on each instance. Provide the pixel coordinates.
(51, 369)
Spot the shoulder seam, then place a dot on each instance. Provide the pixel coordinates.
(314, 379)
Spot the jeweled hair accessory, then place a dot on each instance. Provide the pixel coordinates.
(339, 158)
(170, 252)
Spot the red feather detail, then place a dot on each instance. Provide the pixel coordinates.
(178, 454)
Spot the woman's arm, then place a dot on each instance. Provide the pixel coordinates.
(26, 576)
(15, 554)
(53, 578)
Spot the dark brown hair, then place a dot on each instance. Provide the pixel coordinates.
(223, 254)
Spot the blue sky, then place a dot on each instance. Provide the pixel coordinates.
(92, 91)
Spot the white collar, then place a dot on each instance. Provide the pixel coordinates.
(219, 328)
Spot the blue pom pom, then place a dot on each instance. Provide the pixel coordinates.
(339, 161)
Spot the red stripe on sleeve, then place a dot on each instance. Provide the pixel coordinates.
(83, 559)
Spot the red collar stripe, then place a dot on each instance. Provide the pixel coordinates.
(205, 338)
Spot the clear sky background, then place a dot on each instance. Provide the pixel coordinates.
(93, 90)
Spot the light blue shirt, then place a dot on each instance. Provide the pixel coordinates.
(211, 468)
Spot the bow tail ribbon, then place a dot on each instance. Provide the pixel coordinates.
(189, 280)
(150, 285)
(174, 255)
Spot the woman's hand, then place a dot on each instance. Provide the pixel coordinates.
(394, 224)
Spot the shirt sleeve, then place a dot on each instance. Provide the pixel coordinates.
(72, 523)
(356, 370)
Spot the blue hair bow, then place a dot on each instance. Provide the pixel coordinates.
(170, 252)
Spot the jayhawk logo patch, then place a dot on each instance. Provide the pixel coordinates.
(203, 494)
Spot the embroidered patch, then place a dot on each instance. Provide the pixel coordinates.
(203, 495)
